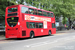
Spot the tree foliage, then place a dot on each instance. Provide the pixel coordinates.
(3, 5)
(65, 8)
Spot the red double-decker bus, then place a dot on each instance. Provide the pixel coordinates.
(23, 21)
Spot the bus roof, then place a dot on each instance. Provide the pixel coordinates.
(30, 7)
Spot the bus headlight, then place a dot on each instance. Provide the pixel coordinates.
(18, 23)
(5, 26)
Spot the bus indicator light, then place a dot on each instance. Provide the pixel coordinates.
(5, 25)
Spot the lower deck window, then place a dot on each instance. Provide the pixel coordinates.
(34, 25)
(27, 24)
(53, 25)
(40, 25)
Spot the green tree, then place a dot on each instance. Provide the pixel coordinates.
(65, 8)
(3, 5)
(59, 7)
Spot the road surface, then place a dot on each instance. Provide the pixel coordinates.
(61, 41)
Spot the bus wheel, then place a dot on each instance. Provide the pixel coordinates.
(31, 35)
(49, 33)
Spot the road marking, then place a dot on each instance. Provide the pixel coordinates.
(40, 44)
(30, 39)
(49, 42)
(35, 38)
(12, 41)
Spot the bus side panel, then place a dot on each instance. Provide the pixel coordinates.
(49, 27)
(53, 30)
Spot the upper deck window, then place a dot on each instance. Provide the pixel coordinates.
(39, 12)
(44, 13)
(24, 10)
(36, 12)
(48, 14)
(51, 15)
(31, 11)
(13, 14)
(12, 10)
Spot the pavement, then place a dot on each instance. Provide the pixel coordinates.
(2, 36)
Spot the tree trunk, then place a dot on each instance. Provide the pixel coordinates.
(69, 23)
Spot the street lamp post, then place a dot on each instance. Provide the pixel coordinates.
(39, 5)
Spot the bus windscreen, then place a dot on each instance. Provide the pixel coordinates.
(12, 21)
